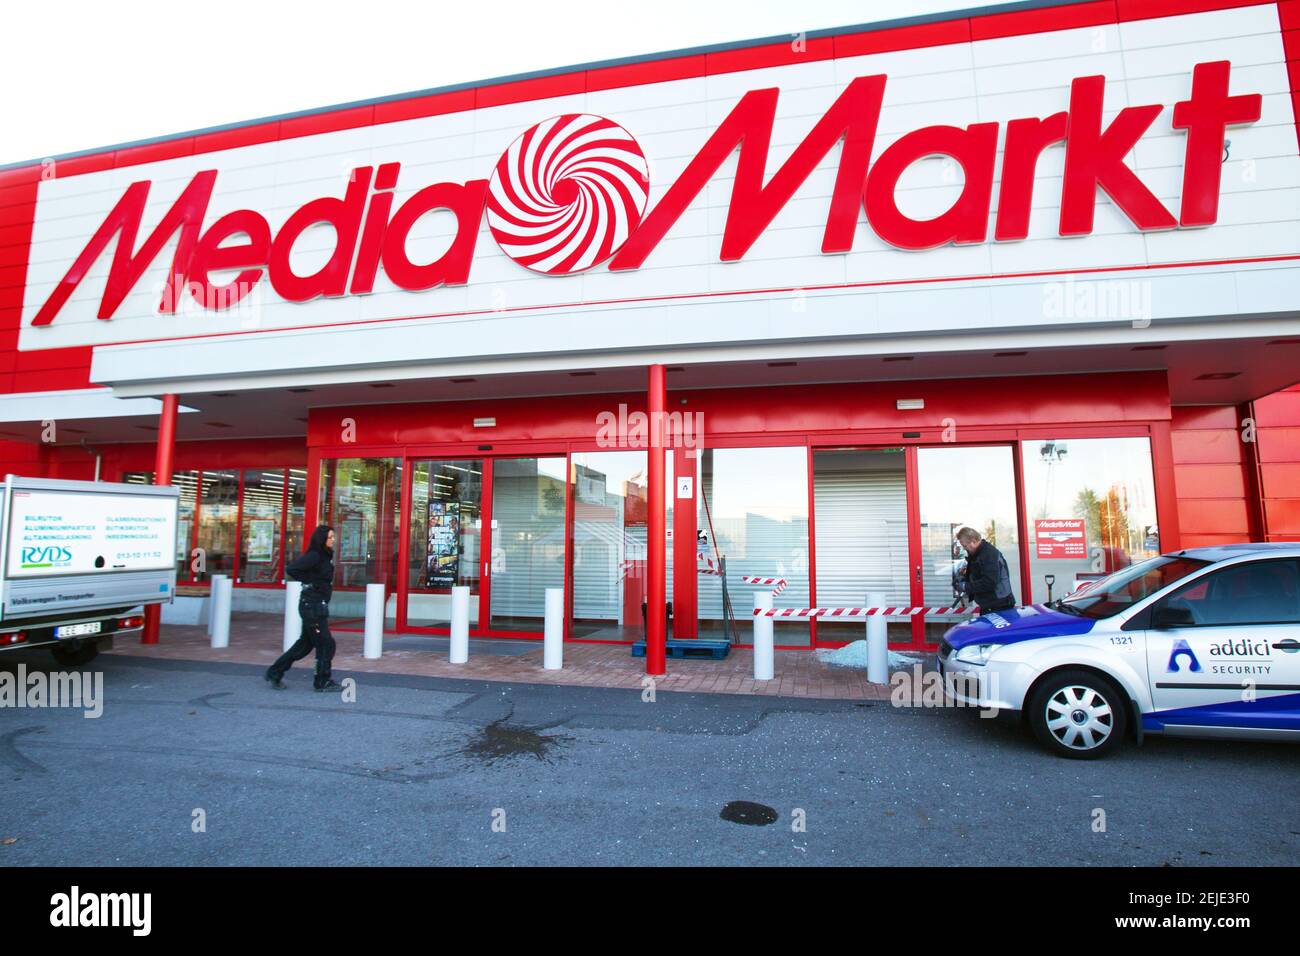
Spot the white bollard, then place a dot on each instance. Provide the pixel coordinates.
(222, 589)
(764, 630)
(459, 650)
(292, 621)
(553, 630)
(212, 599)
(877, 642)
(374, 642)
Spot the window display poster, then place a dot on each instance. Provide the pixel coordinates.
(261, 540)
(443, 561)
(352, 541)
(183, 532)
(1060, 538)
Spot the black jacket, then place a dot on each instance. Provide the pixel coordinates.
(988, 580)
(315, 568)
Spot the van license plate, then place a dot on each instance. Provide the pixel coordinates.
(75, 630)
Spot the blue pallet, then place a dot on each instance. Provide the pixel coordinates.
(684, 648)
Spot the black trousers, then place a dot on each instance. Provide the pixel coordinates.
(315, 614)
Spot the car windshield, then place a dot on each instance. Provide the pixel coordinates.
(1126, 587)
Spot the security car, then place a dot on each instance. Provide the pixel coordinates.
(1199, 643)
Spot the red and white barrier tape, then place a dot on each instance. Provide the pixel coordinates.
(861, 611)
(781, 583)
(709, 566)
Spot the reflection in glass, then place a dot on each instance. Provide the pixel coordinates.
(964, 486)
(218, 511)
(361, 498)
(609, 545)
(755, 500)
(1091, 508)
(528, 499)
(263, 502)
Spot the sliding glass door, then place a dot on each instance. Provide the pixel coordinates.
(445, 537)
(529, 498)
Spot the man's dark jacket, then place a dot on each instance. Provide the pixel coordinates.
(988, 580)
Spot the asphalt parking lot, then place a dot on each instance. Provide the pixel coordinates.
(423, 770)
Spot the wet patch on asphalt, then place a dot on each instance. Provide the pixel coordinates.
(749, 814)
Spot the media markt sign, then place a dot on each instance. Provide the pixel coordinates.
(571, 193)
(1060, 538)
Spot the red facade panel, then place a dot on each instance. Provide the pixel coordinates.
(1280, 444)
(1213, 516)
(1211, 481)
(1186, 417)
(1281, 479)
(1207, 446)
(1283, 518)
(1278, 409)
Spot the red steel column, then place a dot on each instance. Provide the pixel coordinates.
(685, 575)
(656, 530)
(162, 475)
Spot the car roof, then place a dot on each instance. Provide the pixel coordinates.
(1246, 549)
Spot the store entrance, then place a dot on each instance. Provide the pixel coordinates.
(494, 525)
(884, 525)
(961, 486)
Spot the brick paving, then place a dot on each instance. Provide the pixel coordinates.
(256, 639)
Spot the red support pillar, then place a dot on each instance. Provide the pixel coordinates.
(655, 637)
(162, 475)
(685, 575)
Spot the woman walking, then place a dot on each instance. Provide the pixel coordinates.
(315, 569)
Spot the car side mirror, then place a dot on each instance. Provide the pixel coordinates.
(1172, 615)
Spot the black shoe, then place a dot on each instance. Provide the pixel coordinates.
(328, 685)
(275, 682)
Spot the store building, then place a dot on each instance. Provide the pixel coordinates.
(1033, 269)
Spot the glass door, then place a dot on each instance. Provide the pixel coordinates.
(608, 557)
(444, 547)
(527, 507)
(861, 539)
(361, 499)
(962, 487)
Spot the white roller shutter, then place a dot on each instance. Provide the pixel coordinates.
(861, 529)
(527, 547)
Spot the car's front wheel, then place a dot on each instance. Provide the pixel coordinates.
(1078, 714)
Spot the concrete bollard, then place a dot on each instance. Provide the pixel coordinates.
(877, 642)
(212, 598)
(222, 590)
(292, 622)
(459, 650)
(553, 630)
(764, 637)
(374, 641)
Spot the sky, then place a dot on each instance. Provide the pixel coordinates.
(98, 74)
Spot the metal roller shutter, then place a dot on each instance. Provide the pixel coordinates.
(861, 528)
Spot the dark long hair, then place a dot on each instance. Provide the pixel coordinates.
(318, 539)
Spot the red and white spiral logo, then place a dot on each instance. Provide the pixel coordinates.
(567, 193)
